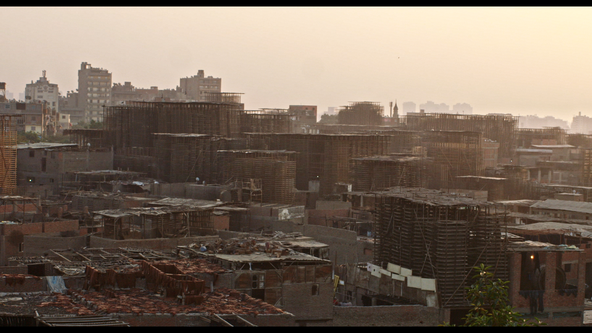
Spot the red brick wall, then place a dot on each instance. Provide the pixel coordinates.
(554, 303)
(8, 283)
(12, 249)
(19, 208)
(182, 320)
(317, 216)
(398, 315)
(221, 222)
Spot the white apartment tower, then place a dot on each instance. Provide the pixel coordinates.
(94, 91)
(43, 91)
(198, 86)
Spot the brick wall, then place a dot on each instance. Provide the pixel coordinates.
(9, 284)
(395, 315)
(13, 269)
(10, 246)
(558, 309)
(154, 243)
(37, 245)
(298, 300)
(189, 320)
(318, 216)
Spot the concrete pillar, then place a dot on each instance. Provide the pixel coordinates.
(515, 265)
(3, 259)
(550, 270)
(550, 176)
(539, 175)
(581, 277)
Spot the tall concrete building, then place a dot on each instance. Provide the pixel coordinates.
(94, 91)
(409, 107)
(43, 91)
(581, 124)
(198, 86)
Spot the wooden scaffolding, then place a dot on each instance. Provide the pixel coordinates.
(8, 152)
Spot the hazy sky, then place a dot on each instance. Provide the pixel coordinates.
(519, 60)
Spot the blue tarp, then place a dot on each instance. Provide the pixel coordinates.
(56, 284)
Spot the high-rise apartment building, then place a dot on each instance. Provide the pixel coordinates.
(198, 86)
(43, 91)
(94, 91)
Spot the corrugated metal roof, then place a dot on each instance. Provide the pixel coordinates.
(41, 145)
(573, 206)
(530, 150)
(552, 146)
(81, 321)
(268, 257)
(577, 229)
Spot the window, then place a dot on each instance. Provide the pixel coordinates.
(315, 289)
(31, 153)
(567, 268)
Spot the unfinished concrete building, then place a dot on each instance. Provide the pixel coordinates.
(438, 236)
(130, 128)
(156, 222)
(85, 137)
(457, 153)
(293, 281)
(498, 127)
(526, 137)
(275, 169)
(8, 152)
(184, 157)
(265, 121)
(322, 157)
(377, 173)
(361, 113)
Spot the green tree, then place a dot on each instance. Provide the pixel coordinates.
(95, 124)
(25, 137)
(490, 302)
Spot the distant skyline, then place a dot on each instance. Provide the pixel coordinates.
(518, 60)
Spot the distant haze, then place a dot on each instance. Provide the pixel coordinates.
(519, 60)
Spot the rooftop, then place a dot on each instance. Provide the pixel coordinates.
(44, 145)
(565, 205)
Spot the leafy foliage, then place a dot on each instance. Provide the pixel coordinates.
(490, 302)
(26, 137)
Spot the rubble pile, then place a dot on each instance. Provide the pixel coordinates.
(191, 266)
(139, 301)
(244, 246)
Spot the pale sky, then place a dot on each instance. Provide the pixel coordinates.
(519, 60)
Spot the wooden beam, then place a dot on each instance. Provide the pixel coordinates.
(59, 255)
(224, 322)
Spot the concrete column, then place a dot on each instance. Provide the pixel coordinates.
(581, 277)
(550, 270)
(3, 259)
(539, 175)
(515, 264)
(550, 176)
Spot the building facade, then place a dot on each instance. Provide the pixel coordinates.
(94, 91)
(43, 91)
(69, 105)
(198, 86)
(31, 115)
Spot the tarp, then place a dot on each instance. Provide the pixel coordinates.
(56, 284)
